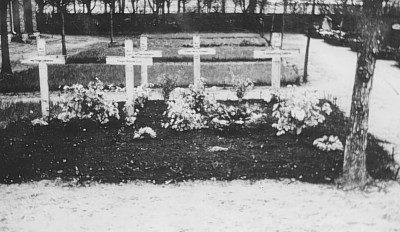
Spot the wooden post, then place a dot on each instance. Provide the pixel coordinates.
(43, 60)
(196, 51)
(129, 61)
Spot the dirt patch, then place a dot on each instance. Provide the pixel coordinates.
(85, 151)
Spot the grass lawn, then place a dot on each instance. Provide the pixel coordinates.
(86, 151)
(234, 56)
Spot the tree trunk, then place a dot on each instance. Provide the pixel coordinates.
(223, 6)
(198, 6)
(63, 46)
(123, 6)
(112, 8)
(252, 6)
(5, 52)
(184, 6)
(354, 163)
(179, 6)
(40, 5)
(305, 74)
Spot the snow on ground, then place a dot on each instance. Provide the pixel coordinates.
(235, 206)
(198, 206)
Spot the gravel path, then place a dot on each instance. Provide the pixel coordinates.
(198, 206)
(235, 206)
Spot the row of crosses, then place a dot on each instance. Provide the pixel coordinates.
(144, 57)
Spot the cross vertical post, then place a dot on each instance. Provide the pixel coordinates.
(143, 47)
(129, 80)
(196, 62)
(196, 51)
(144, 53)
(129, 61)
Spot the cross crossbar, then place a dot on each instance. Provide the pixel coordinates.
(271, 53)
(126, 60)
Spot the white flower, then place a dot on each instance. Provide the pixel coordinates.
(39, 121)
(326, 107)
(145, 130)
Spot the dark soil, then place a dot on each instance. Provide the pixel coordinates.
(86, 151)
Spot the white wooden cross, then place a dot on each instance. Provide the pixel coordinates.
(196, 51)
(43, 60)
(129, 61)
(276, 54)
(144, 53)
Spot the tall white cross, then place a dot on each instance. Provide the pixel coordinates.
(196, 51)
(144, 53)
(43, 60)
(276, 54)
(129, 61)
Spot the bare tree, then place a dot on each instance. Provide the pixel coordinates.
(41, 4)
(5, 52)
(111, 3)
(89, 5)
(61, 5)
(262, 4)
(354, 164)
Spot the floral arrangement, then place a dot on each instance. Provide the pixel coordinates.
(39, 122)
(331, 143)
(142, 132)
(296, 111)
(230, 116)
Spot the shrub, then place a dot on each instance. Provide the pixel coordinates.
(190, 110)
(88, 102)
(167, 83)
(296, 111)
(241, 86)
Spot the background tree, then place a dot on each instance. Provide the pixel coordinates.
(5, 52)
(111, 3)
(354, 164)
(89, 5)
(61, 6)
(310, 27)
(40, 5)
(262, 4)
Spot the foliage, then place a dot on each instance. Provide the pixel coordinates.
(141, 96)
(331, 143)
(143, 131)
(296, 110)
(236, 116)
(167, 83)
(190, 110)
(88, 102)
(241, 86)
